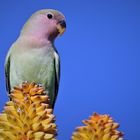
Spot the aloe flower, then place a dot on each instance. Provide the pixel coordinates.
(98, 127)
(28, 115)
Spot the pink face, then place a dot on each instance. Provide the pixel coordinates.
(50, 23)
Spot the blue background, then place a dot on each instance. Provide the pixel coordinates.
(100, 54)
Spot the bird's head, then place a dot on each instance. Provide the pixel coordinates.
(46, 23)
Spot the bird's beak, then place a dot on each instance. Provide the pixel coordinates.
(61, 27)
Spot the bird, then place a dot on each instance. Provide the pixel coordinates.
(33, 57)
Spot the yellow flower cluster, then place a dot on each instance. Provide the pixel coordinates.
(98, 127)
(28, 115)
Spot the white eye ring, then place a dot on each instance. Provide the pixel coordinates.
(50, 15)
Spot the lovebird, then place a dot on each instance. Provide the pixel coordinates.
(33, 56)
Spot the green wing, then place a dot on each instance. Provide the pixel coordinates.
(57, 75)
(7, 73)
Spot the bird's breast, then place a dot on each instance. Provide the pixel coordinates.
(33, 65)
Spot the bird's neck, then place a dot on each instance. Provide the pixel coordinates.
(36, 41)
(38, 34)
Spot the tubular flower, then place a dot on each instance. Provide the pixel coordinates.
(28, 115)
(98, 127)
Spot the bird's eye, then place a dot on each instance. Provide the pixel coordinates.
(50, 16)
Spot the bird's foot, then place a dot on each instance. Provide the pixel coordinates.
(40, 85)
